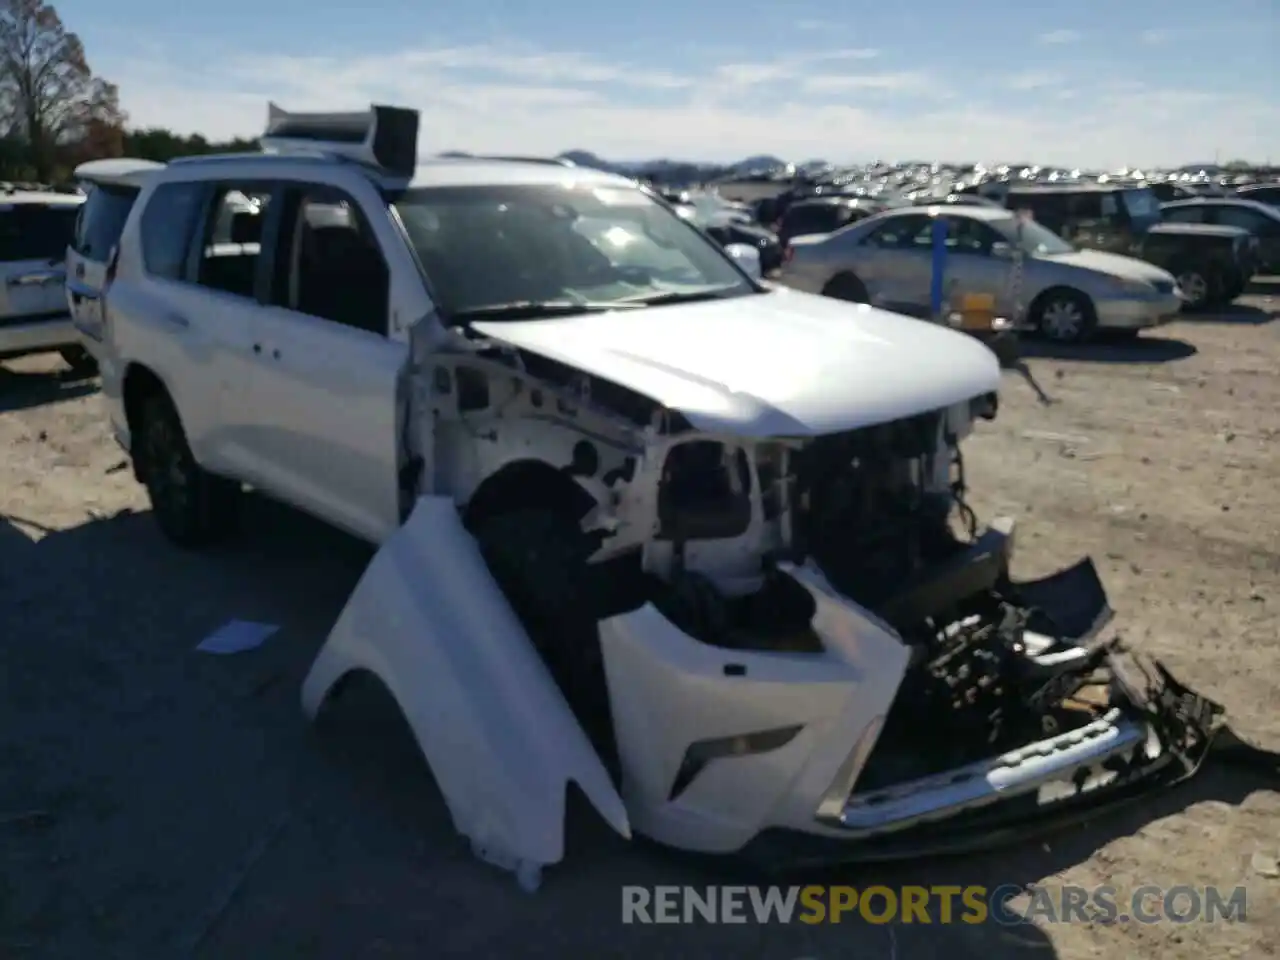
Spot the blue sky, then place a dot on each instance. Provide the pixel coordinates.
(1094, 83)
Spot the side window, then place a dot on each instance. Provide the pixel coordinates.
(9, 235)
(899, 233)
(1185, 215)
(1241, 217)
(331, 266)
(802, 219)
(971, 236)
(1090, 206)
(232, 244)
(101, 221)
(168, 224)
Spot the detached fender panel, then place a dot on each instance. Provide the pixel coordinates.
(837, 697)
(429, 621)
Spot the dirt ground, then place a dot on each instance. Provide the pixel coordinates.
(158, 802)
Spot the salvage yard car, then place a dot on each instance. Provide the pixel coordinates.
(1039, 281)
(1212, 264)
(695, 546)
(35, 229)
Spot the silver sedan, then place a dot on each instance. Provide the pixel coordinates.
(1039, 281)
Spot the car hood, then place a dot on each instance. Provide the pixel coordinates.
(777, 364)
(1115, 264)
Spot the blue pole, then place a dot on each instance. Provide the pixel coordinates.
(939, 266)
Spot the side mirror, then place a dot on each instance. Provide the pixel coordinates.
(1002, 251)
(747, 257)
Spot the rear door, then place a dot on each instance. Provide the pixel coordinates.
(1261, 224)
(113, 187)
(33, 242)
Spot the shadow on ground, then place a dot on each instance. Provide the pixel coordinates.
(1146, 348)
(1237, 313)
(163, 802)
(23, 389)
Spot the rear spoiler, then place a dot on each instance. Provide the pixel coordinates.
(116, 171)
(382, 137)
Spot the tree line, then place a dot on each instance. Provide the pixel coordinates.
(56, 113)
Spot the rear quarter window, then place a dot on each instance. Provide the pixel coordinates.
(168, 225)
(101, 221)
(32, 231)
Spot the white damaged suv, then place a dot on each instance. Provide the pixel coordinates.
(646, 526)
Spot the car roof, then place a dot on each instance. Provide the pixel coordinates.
(1208, 229)
(41, 198)
(1222, 202)
(1045, 188)
(974, 211)
(435, 172)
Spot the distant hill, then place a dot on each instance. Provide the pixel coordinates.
(673, 171)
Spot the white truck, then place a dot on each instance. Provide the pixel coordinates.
(646, 525)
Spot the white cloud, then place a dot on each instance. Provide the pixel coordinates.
(1058, 37)
(1154, 38)
(908, 82)
(820, 103)
(1034, 80)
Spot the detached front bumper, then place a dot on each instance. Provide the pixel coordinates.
(1137, 312)
(1024, 794)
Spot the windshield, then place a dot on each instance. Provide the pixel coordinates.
(1142, 204)
(1034, 238)
(485, 248)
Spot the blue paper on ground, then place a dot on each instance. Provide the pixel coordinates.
(237, 636)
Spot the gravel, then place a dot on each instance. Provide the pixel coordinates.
(157, 802)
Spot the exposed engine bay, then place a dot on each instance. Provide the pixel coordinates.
(697, 525)
(882, 512)
(834, 645)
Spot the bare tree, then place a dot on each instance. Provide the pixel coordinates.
(49, 98)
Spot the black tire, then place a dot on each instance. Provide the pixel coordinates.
(80, 360)
(539, 559)
(847, 287)
(1202, 287)
(1052, 312)
(193, 507)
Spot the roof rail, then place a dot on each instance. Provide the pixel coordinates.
(382, 137)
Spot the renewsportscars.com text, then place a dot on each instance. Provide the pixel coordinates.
(1147, 904)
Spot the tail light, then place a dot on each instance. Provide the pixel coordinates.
(787, 253)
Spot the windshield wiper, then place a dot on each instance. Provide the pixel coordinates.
(537, 309)
(679, 296)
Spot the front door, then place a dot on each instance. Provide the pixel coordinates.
(971, 266)
(895, 264)
(327, 405)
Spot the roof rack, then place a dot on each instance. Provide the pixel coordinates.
(382, 137)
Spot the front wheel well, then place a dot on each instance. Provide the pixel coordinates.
(524, 485)
(140, 384)
(1046, 295)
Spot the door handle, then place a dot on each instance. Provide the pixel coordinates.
(176, 320)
